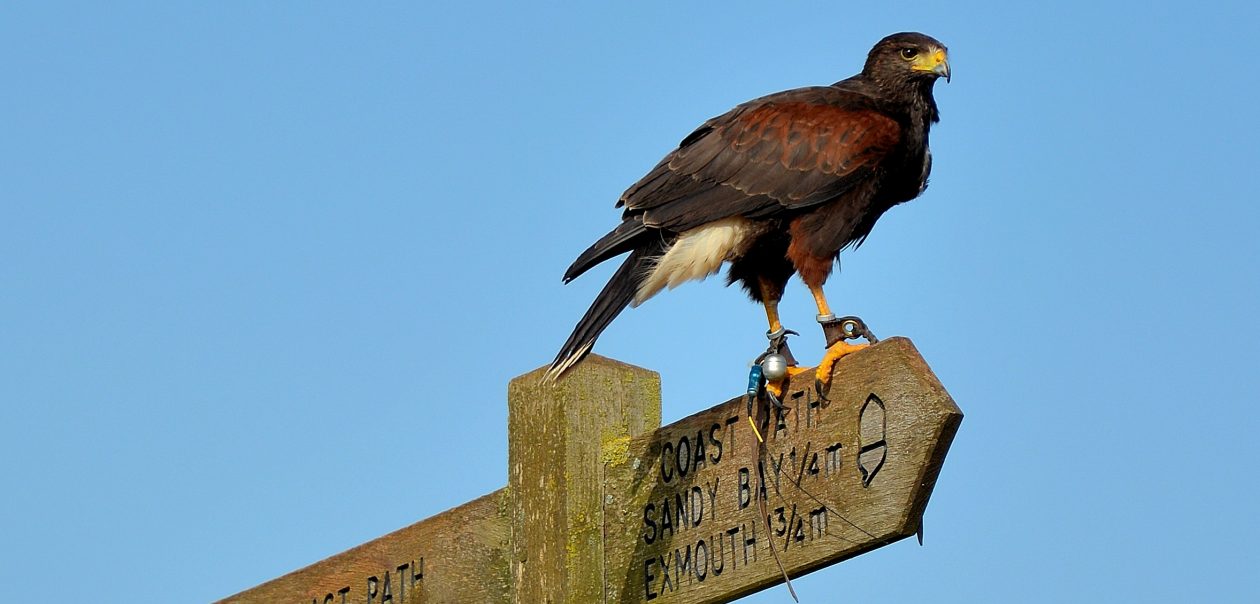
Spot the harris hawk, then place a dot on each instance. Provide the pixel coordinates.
(774, 187)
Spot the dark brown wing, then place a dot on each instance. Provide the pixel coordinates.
(767, 157)
(787, 151)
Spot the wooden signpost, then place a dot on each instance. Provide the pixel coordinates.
(602, 505)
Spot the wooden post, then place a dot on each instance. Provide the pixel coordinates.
(558, 439)
(604, 506)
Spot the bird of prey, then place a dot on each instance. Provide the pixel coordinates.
(774, 187)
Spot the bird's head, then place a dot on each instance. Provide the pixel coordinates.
(908, 57)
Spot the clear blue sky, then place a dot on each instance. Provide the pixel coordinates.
(267, 268)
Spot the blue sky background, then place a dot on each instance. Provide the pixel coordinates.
(267, 268)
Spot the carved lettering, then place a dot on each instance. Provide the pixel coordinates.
(686, 549)
(698, 462)
(683, 514)
(750, 542)
(720, 563)
(818, 521)
(649, 579)
(402, 583)
(666, 585)
(796, 526)
(667, 451)
(713, 489)
(682, 565)
(780, 426)
(667, 519)
(776, 466)
(730, 430)
(745, 492)
(650, 534)
(702, 555)
(715, 443)
(833, 458)
(682, 460)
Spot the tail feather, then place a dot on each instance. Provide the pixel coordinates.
(620, 240)
(613, 299)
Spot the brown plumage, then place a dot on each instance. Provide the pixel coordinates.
(776, 186)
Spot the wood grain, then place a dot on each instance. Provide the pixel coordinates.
(460, 555)
(843, 477)
(558, 435)
(604, 506)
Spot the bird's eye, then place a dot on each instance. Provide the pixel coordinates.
(909, 53)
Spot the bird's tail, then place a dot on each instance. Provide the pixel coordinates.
(613, 299)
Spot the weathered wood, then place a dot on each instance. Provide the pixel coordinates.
(602, 506)
(557, 436)
(842, 478)
(460, 555)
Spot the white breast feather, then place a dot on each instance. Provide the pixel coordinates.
(696, 254)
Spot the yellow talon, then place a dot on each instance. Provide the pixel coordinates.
(777, 388)
(834, 353)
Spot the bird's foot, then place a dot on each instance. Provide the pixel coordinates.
(837, 332)
(822, 373)
(775, 389)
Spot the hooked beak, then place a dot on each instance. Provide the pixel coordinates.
(937, 62)
(942, 67)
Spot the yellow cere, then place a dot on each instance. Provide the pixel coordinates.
(929, 62)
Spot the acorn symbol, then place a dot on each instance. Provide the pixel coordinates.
(874, 438)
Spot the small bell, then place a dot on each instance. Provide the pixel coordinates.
(774, 367)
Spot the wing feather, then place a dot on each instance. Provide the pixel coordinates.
(776, 154)
(766, 158)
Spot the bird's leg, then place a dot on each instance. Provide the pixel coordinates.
(772, 315)
(835, 350)
(778, 344)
